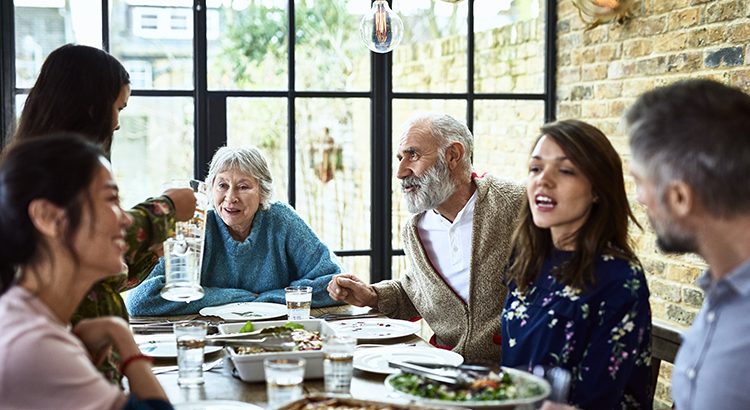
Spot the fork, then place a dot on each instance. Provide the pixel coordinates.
(206, 367)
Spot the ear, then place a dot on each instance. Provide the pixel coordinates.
(454, 154)
(48, 218)
(679, 198)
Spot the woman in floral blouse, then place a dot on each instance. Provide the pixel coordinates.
(577, 294)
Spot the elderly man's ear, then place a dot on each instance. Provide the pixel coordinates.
(454, 154)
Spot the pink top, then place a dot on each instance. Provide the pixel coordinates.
(43, 365)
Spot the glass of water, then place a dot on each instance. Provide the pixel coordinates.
(338, 362)
(191, 339)
(183, 253)
(283, 380)
(298, 301)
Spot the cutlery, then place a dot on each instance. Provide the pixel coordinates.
(456, 379)
(206, 367)
(463, 367)
(281, 341)
(343, 316)
(368, 345)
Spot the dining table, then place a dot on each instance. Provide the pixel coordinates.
(223, 383)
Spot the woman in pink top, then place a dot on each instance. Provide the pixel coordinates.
(62, 230)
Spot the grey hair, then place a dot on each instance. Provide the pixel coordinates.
(250, 161)
(445, 129)
(697, 132)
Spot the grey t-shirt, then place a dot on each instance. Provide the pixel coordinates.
(713, 363)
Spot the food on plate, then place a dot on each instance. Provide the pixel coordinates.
(494, 387)
(341, 403)
(304, 339)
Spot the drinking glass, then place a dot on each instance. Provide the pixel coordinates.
(338, 362)
(183, 253)
(191, 339)
(298, 301)
(283, 380)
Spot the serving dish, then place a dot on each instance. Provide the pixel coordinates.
(250, 366)
(376, 359)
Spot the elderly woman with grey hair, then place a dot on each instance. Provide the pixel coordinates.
(255, 247)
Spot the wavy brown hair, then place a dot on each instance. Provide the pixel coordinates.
(605, 230)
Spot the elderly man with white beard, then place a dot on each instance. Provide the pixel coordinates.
(457, 243)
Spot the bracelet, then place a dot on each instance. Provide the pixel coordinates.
(133, 358)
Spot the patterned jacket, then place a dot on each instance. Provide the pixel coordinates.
(473, 329)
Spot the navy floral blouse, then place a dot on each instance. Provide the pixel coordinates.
(602, 336)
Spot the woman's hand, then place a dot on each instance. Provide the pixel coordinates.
(100, 334)
(348, 288)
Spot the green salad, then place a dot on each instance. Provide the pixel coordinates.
(491, 388)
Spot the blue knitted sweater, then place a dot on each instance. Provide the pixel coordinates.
(282, 250)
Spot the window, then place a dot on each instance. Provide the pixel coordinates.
(326, 111)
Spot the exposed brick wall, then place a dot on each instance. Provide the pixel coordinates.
(602, 71)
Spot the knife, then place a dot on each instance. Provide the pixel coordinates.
(464, 367)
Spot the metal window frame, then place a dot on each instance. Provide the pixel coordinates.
(211, 110)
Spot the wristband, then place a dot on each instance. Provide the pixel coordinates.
(133, 358)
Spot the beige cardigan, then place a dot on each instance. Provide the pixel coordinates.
(469, 328)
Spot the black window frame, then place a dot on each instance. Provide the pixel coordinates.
(210, 115)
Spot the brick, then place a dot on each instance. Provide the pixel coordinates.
(595, 36)
(739, 32)
(582, 92)
(594, 72)
(680, 314)
(697, 2)
(664, 289)
(563, 26)
(594, 109)
(651, 26)
(617, 108)
(658, 308)
(692, 297)
(568, 110)
(684, 63)
(660, 404)
(654, 267)
(684, 18)
(661, 6)
(741, 79)
(570, 41)
(636, 48)
(682, 273)
(724, 11)
(608, 52)
(730, 56)
(570, 75)
(608, 90)
(621, 69)
(650, 66)
(671, 41)
(706, 36)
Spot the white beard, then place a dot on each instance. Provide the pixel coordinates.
(431, 189)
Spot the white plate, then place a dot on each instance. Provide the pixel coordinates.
(375, 328)
(244, 311)
(164, 346)
(517, 375)
(375, 359)
(217, 405)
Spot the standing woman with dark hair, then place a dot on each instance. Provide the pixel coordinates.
(82, 89)
(62, 230)
(577, 296)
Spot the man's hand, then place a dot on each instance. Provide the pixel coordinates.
(348, 288)
(184, 202)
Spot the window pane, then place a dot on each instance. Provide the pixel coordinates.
(333, 169)
(358, 266)
(432, 54)
(509, 46)
(262, 122)
(402, 111)
(249, 51)
(44, 26)
(153, 146)
(503, 134)
(154, 43)
(329, 53)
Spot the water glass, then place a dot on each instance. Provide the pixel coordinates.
(298, 301)
(183, 253)
(338, 362)
(283, 380)
(191, 338)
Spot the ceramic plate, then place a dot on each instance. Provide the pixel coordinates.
(245, 311)
(520, 378)
(164, 346)
(376, 359)
(217, 405)
(375, 328)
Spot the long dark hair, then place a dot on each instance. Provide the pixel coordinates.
(605, 230)
(59, 169)
(75, 92)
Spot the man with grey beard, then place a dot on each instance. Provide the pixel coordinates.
(457, 243)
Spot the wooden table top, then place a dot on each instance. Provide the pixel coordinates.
(221, 384)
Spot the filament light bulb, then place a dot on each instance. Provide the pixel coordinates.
(381, 29)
